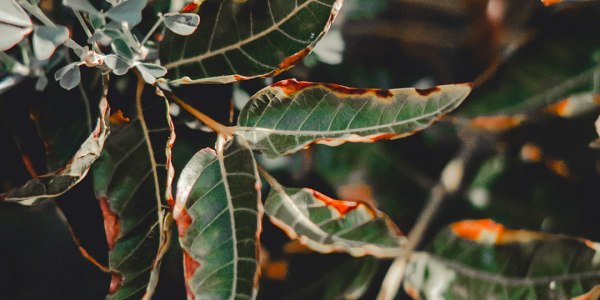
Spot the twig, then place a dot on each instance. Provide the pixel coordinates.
(77, 242)
(210, 122)
(451, 180)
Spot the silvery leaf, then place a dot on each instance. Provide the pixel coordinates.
(182, 24)
(46, 39)
(14, 24)
(129, 11)
(151, 71)
(69, 76)
(81, 5)
(117, 64)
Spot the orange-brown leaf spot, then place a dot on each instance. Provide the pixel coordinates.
(276, 270)
(293, 59)
(112, 226)
(359, 192)
(183, 222)
(118, 118)
(593, 294)
(189, 269)
(478, 230)
(192, 7)
(531, 153)
(116, 280)
(343, 207)
(295, 247)
(291, 86)
(427, 92)
(559, 108)
(550, 2)
(497, 124)
(559, 167)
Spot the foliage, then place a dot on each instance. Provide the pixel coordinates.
(125, 121)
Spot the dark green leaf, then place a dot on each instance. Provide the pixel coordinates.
(247, 39)
(554, 65)
(73, 127)
(218, 212)
(483, 260)
(291, 115)
(329, 225)
(132, 182)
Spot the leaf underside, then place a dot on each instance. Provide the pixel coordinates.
(291, 115)
(239, 40)
(218, 212)
(482, 260)
(327, 225)
(132, 176)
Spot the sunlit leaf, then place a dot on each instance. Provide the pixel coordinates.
(129, 11)
(246, 39)
(182, 24)
(132, 182)
(218, 213)
(14, 24)
(73, 128)
(483, 260)
(329, 225)
(46, 39)
(291, 115)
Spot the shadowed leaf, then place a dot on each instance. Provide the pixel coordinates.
(73, 128)
(291, 115)
(481, 260)
(132, 182)
(240, 40)
(218, 213)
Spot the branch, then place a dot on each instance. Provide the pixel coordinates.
(451, 180)
(219, 128)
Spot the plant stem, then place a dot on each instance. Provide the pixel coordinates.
(451, 180)
(35, 11)
(158, 22)
(214, 125)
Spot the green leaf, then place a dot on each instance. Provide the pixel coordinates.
(348, 280)
(132, 182)
(554, 65)
(240, 40)
(482, 260)
(73, 126)
(218, 213)
(291, 115)
(328, 225)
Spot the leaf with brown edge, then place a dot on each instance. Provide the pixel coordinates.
(132, 181)
(291, 115)
(239, 40)
(554, 2)
(481, 259)
(73, 127)
(218, 214)
(328, 225)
